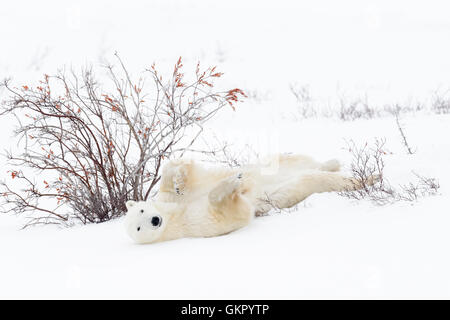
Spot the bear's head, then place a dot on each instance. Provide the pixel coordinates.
(146, 221)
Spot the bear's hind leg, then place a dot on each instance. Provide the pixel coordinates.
(302, 162)
(297, 189)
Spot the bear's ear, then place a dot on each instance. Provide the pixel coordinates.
(130, 204)
(166, 207)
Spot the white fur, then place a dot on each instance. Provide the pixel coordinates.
(194, 201)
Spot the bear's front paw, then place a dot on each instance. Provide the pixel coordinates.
(226, 188)
(179, 181)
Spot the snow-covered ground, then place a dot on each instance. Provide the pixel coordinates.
(331, 247)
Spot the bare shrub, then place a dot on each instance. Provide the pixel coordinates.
(87, 150)
(354, 108)
(440, 103)
(349, 109)
(368, 162)
(422, 188)
(397, 109)
(303, 96)
(358, 108)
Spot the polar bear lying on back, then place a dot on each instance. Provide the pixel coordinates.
(194, 201)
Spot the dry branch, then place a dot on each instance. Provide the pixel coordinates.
(89, 150)
(367, 162)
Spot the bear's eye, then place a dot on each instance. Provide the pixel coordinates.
(142, 210)
(156, 221)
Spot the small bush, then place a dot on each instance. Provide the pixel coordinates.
(368, 162)
(350, 109)
(305, 106)
(87, 150)
(356, 109)
(440, 103)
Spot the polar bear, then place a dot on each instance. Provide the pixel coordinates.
(195, 201)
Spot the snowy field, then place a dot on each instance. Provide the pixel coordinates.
(330, 247)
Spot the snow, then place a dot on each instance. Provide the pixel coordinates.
(331, 247)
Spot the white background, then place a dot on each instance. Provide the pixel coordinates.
(388, 51)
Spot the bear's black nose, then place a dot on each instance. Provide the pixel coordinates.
(156, 221)
(139, 228)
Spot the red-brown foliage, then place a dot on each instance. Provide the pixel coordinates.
(88, 149)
